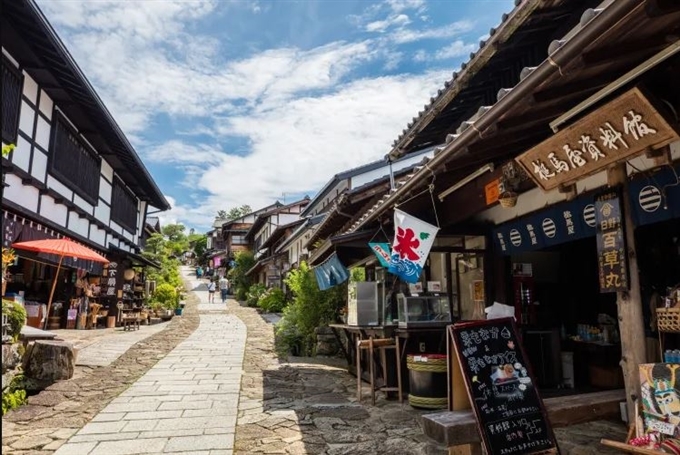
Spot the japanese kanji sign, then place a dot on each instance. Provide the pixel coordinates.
(111, 281)
(611, 243)
(620, 129)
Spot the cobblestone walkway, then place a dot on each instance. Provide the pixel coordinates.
(179, 393)
(57, 413)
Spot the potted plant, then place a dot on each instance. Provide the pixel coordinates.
(8, 258)
(166, 296)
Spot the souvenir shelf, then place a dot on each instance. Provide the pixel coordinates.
(668, 321)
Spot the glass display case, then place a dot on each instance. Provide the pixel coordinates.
(423, 311)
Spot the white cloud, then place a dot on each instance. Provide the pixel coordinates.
(447, 31)
(303, 113)
(458, 48)
(398, 20)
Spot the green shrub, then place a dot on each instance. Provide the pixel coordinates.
(16, 316)
(254, 294)
(244, 261)
(166, 295)
(241, 293)
(309, 309)
(14, 396)
(272, 301)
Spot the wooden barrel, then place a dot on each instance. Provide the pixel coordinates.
(110, 322)
(53, 323)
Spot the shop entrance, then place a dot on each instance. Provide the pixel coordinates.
(570, 329)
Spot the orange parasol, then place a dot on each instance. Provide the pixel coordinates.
(61, 247)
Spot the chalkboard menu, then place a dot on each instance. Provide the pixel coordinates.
(510, 414)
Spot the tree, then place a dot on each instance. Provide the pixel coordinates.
(199, 243)
(238, 212)
(174, 232)
(244, 261)
(221, 215)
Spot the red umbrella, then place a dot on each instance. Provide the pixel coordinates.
(62, 247)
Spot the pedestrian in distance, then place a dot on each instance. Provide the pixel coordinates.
(211, 291)
(224, 288)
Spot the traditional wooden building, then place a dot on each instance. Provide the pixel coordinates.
(73, 171)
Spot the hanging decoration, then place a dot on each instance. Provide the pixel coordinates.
(413, 239)
(330, 273)
(382, 251)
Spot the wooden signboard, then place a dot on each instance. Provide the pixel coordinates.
(611, 243)
(510, 415)
(618, 130)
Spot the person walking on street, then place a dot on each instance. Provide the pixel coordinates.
(224, 288)
(211, 291)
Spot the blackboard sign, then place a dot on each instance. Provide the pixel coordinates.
(611, 243)
(510, 414)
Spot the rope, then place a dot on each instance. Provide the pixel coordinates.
(427, 402)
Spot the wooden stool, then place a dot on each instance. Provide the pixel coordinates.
(381, 344)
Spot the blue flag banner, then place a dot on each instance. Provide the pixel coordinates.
(382, 251)
(330, 273)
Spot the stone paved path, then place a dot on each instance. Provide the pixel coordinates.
(185, 404)
(105, 351)
(173, 394)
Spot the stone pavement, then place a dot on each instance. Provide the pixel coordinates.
(186, 403)
(285, 406)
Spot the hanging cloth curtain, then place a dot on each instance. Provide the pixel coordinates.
(330, 273)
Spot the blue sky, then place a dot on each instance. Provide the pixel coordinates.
(232, 102)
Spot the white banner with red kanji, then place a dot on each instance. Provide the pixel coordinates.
(413, 239)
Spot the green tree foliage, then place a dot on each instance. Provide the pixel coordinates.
(245, 260)
(238, 212)
(309, 309)
(166, 296)
(158, 249)
(272, 300)
(199, 244)
(16, 317)
(221, 215)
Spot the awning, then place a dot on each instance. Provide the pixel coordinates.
(136, 258)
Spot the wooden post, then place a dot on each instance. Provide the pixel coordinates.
(629, 304)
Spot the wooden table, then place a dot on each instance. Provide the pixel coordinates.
(129, 318)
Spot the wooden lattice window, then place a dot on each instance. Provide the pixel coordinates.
(124, 206)
(12, 81)
(73, 162)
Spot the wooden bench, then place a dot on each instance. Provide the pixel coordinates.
(459, 428)
(130, 323)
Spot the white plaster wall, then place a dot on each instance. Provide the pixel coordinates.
(46, 104)
(116, 227)
(98, 235)
(53, 212)
(39, 169)
(140, 217)
(26, 118)
(21, 156)
(285, 218)
(30, 88)
(102, 212)
(128, 235)
(113, 241)
(23, 195)
(42, 134)
(107, 171)
(105, 190)
(83, 204)
(59, 187)
(77, 224)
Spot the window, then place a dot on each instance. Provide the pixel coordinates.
(124, 206)
(73, 162)
(12, 80)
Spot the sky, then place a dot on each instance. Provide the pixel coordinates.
(232, 102)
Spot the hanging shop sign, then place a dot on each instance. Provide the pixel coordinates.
(620, 129)
(555, 225)
(655, 195)
(413, 239)
(381, 251)
(112, 281)
(611, 243)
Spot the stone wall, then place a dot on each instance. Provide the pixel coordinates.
(326, 343)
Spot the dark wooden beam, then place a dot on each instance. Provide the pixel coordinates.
(571, 89)
(634, 49)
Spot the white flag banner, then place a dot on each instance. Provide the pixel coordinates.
(413, 239)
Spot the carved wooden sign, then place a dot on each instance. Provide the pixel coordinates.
(620, 129)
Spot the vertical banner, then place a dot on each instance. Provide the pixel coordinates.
(330, 273)
(413, 239)
(611, 243)
(382, 252)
